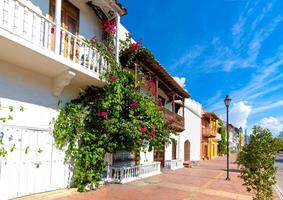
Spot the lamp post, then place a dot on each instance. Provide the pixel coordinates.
(227, 102)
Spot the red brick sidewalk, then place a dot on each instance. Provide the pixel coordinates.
(206, 181)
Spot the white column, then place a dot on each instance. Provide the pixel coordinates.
(58, 8)
(117, 37)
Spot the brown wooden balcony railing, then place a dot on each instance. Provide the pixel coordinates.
(207, 132)
(176, 121)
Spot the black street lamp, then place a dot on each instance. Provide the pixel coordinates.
(227, 102)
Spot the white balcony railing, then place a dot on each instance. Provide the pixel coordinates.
(128, 174)
(24, 20)
(173, 164)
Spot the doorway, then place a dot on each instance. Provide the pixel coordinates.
(69, 21)
(187, 147)
(159, 156)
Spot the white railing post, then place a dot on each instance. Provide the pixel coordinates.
(58, 8)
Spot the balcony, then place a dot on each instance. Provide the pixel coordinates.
(28, 39)
(207, 132)
(176, 121)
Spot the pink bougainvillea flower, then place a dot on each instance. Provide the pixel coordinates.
(109, 26)
(102, 114)
(52, 29)
(150, 83)
(110, 49)
(133, 105)
(152, 133)
(136, 45)
(113, 78)
(143, 129)
(93, 39)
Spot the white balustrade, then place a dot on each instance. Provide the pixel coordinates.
(127, 174)
(173, 164)
(24, 20)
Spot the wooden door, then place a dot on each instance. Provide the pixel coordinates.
(174, 151)
(159, 156)
(187, 150)
(69, 21)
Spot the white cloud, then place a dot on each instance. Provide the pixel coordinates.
(272, 123)
(239, 114)
(268, 107)
(181, 81)
(189, 57)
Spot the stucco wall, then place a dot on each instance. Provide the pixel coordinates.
(192, 130)
(20, 87)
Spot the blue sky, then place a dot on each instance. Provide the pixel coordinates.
(221, 47)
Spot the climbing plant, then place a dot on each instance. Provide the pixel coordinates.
(4, 148)
(256, 161)
(116, 117)
(223, 142)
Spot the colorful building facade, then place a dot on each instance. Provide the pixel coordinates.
(210, 135)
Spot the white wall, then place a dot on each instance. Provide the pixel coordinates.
(146, 157)
(192, 130)
(20, 87)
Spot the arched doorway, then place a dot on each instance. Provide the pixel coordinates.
(187, 147)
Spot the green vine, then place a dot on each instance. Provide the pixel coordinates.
(104, 120)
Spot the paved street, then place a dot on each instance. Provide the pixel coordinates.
(203, 182)
(206, 181)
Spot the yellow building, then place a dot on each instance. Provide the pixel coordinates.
(210, 137)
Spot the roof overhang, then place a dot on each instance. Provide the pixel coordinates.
(106, 9)
(211, 115)
(155, 67)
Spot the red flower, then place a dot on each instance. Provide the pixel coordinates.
(110, 49)
(152, 133)
(143, 129)
(52, 29)
(136, 45)
(150, 83)
(133, 105)
(93, 39)
(109, 26)
(161, 104)
(113, 78)
(102, 114)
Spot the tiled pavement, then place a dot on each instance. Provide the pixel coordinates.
(203, 182)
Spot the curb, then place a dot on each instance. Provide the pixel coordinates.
(278, 191)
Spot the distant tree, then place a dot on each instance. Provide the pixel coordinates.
(223, 143)
(256, 161)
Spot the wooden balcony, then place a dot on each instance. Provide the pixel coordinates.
(208, 133)
(175, 121)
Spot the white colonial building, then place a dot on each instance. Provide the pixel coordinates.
(43, 59)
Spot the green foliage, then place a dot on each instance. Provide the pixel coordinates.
(115, 117)
(3, 148)
(257, 163)
(223, 143)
